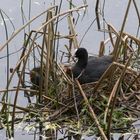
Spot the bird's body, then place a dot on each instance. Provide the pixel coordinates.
(35, 77)
(86, 69)
(92, 68)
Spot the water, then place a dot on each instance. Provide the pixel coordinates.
(114, 13)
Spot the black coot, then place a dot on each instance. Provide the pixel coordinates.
(35, 76)
(89, 69)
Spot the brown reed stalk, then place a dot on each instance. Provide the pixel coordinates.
(111, 30)
(53, 100)
(137, 10)
(107, 72)
(114, 96)
(102, 48)
(131, 84)
(24, 26)
(50, 51)
(128, 69)
(133, 38)
(72, 31)
(10, 79)
(21, 108)
(64, 74)
(21, 89)
(8, 60)
(97, 14)
(28, 53)
(118, 41)
(91, 111)
(42, 65)
(110, 99)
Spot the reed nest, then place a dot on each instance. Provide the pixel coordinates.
(69, 104)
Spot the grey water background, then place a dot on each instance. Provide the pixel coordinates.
(114, 11)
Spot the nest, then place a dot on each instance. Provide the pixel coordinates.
(69, 106)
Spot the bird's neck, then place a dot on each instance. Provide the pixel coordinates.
(82, 63)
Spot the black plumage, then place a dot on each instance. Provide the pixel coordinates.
(35, 77)
(89, 69)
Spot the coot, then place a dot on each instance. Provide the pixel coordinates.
(89, 69)
(35, 77)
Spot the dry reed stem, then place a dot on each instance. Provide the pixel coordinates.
(102, 48)
(128, 69)
(17, 90)
(91, 111)
(110, 99)
(64, 74)
(57, 36)
(21, 89)
(50, 51)
(43, 51)
(53, 100)
(60, 111)
(72, 31)
(117, 44)
(111, 29)
(97, 14)
(25, 47)
(132, 83)
(21, 108)
(28, 53)
(133, 38)
(70, 53)
(19, 30)
(137, 10)
(10, 79)
(109, 69)
(61, 14)
(115, 93)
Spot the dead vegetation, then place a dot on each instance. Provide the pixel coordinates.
(106, 106)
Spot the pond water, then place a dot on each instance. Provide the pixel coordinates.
(113, 12)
